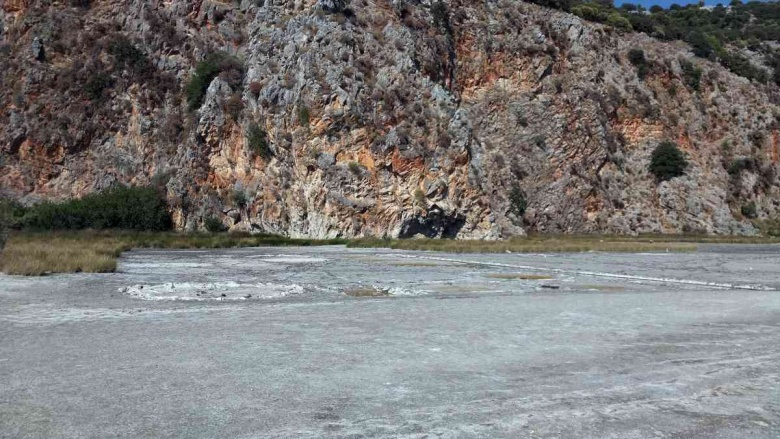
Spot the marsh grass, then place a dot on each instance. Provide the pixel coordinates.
(540, 244)
(39, 253)
(366, 292)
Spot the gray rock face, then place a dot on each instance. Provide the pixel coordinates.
(37, 50)
(380, 121)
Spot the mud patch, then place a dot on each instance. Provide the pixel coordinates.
(519, 276)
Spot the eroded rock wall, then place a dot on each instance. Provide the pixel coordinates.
(388, 119)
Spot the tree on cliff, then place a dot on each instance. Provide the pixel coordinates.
(667, 161)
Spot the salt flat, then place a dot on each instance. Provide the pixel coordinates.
(336, 342)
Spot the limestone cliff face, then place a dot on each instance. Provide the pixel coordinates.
(383, 118)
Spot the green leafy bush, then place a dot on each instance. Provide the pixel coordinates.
(257, 139)
(213, 224)
(637, 58)
(303, 116)
(96, 84)
(691, 74)
(239, 198)
(667, 161)
(619, 22)
(120, 207)
(354, 168)
(517, 201)
(741, 164)
(749, 210)
(214, 64)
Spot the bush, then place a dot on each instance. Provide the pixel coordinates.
(691, 74)
(564, 5)
(741, 164)
(619, 22)
(213, 224)
(96, 84)
(205, 72)
(354, 168)
(589, 11)
(303, 116)
(239, 198)
(120, 207)
(667, 161)
(749, 210)
(128, 56)
(517, 201)
(5, 221)
(257, 139)
(637, 58)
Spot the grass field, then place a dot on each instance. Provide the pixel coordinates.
(565, 243)
(39, 253)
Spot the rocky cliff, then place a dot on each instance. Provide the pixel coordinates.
(379, 118)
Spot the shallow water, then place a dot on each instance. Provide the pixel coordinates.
(272, 342)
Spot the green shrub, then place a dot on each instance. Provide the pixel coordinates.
(205, 72)
(589, 11)
(126, 55)
(5, 221)
(213, 224)
(257, 139)
(667, 161)
(239, 198)
(637, 58)
(741, 164)
(619, 22)
(303, 116)
(517, 201)
(749, 210)
(354, 167)
(96, 84)
(691, 74)
(119, 207)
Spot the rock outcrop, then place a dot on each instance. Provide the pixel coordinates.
(390, 119)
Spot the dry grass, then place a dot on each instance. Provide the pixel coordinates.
(30, 253)
(542, 244)
(35, 254)
(366, 292)
(40, 254)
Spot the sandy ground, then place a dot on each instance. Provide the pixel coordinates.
(333, 342)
